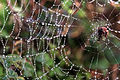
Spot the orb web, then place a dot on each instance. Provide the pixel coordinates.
(36, 36)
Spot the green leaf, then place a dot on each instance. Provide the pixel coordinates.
(28, 70)
(88, 76)
(45, 58)
(40, 57)
(13, 59)
(82, 13)
(39, 73)
(67, 4)
(1, 71)
(12, 74)
(79, 77)
(58, 72)
(110, 56)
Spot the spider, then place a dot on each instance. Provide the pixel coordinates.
(102, 32)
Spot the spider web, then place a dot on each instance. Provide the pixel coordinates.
(35, 40)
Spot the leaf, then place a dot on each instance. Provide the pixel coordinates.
(82, 13)
(1, 71)
(58, 72)
(39, 73)
(79, 77)
(20, 78)
(13, 59)
(67, 4)
(88, 76)
(45, 58)
(28, 70)
(110, 56)
(40, 57)
(12, 74)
